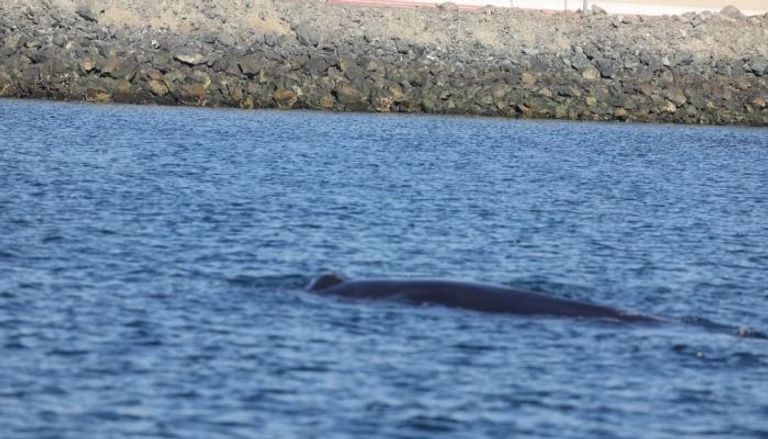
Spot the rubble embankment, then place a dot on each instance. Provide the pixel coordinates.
(695, 68)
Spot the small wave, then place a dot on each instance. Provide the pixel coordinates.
(285, 281)
(52, 239)
(738, 331)
(7, 254)
(68, 352)
(474, 347)
(15, 344)
(433, 424)
(718, 355)
(115, 415)
(747, 332)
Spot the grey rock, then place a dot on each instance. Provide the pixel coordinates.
(119, 68)
(208, 37)
(87, 14)
(14, 40)
(191, 58)
(758, 65)
(317, 65)
(580, 62)
(250, 65)
(306, 34)
(271, 40)
(682, 59)
(402, 46)
(731, 12)
(225, 39)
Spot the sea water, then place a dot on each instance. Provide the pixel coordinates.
(153, 263)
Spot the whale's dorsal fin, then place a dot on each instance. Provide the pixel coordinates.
(326, 281)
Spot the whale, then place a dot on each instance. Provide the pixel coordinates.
(489, 298)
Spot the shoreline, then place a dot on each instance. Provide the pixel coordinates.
(342, 114)
(494, 62)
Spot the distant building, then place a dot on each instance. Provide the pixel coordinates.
(643, 7)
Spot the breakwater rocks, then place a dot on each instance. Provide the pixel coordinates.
(697, 68)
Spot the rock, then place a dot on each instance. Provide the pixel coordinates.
(350, 97)
(580, 62)
(253, 88)
(271, 39)
(155, 74)
(97, 94)
(87, 65)
(327, 102)
(170, 79)
(647, 89)
(285, 98)
(569, 91)
(682, 59)
(123, 92)
(373, 65)
(225, 39)
(403, 47)
(590, 74)
(607, 68)
(317, 65)
(621, 113)
(757, 65)
(157, 87)
(410, 106)
(546, 92)
(192, 94)
(383, 104)
(250, 65)
(13, 41)
(597, 10)
(235, 91)
(448, 7)
(759, 101)
(306, 34)
(6, 84)
(87, 14)
(200, 77)
(119, 68)
(676, 95)
(528, 79)
(731, 12)
(191, 58)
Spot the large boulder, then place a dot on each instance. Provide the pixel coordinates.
(285, 98)
(307, 34)
(731, 11)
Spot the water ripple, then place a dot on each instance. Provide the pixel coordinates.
(153, 263)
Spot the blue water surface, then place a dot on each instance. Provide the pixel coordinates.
(153, 263)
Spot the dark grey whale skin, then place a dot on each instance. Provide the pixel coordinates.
(468, 295)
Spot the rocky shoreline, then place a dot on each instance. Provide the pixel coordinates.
(696, 68)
